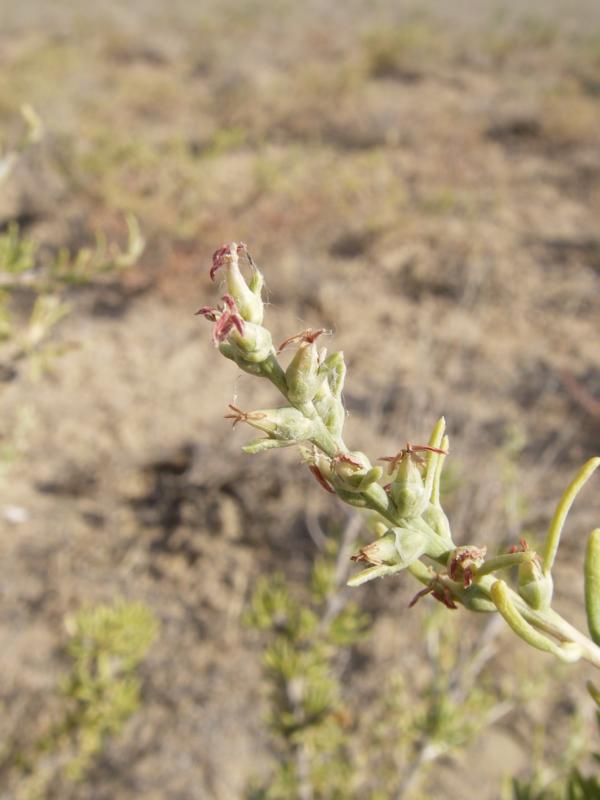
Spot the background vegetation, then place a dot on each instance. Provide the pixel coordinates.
(425, 181)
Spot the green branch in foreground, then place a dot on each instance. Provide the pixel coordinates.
(413, 531)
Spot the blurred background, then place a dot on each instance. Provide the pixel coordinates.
(421, 178)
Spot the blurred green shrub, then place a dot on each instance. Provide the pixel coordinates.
(41, 285)
(100, 693)
(326, 749)
(46, 286)
(304, 638)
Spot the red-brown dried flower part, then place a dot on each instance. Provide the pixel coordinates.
(243, 416)
(308, 336)
(410, 451)
(219, 258)
(522, 547)
(224, 254)
(320, 479)
(345, 458)
(438, 591)
(226, 318)
(464, 563)
(381, 551)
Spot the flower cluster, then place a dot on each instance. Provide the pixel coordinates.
(404, 512)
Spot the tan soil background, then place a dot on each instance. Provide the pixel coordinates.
(440, 213)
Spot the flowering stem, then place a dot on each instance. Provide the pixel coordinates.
(411, 523)
(271, 369)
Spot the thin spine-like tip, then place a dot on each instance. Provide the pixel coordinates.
(564, 506)
(592, 585)
(439, 466)
(437, 433)
(372, 572)
(568, 651)
(437, 436)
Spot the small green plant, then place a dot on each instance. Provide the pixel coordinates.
(572, 786)
(325, 746)
(21, 274)
(32, 133)
(44, 282)
(401, 51)
(305, 639)
(576, 787)
(100, 693)
(414, 533)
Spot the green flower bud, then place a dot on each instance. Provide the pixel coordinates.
(247, 297)
(285, 424)
(302, 375)
(353, 472)
(332, 412)
(396, 550)
(327, 399)
(334, 369)
(253, 345)
(247, 366)
(381, 551)
(533, 586)
(408, 489)
(435, 517)
(410, 545)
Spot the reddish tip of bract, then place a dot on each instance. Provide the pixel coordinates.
(218, 259)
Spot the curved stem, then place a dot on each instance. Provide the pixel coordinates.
(560, 515)
(592, 585)
(546, 620)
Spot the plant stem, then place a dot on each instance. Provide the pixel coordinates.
(560, 515)
(548, 621)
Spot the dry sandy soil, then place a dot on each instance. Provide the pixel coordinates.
(426, 185)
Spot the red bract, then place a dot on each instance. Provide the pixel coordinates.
(319, 476)
(218, 259)
(225, 318)
(224, 253)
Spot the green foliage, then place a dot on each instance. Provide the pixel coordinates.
(327, 749)
(107, 644)
(16, 254)
(24, 273)
(567, 782)
(32, 132)
(401, 51)
(308, 719)
(576, 787)
(47, 287)
(100, 693)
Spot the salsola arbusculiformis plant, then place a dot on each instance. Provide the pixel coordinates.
(413, 532)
